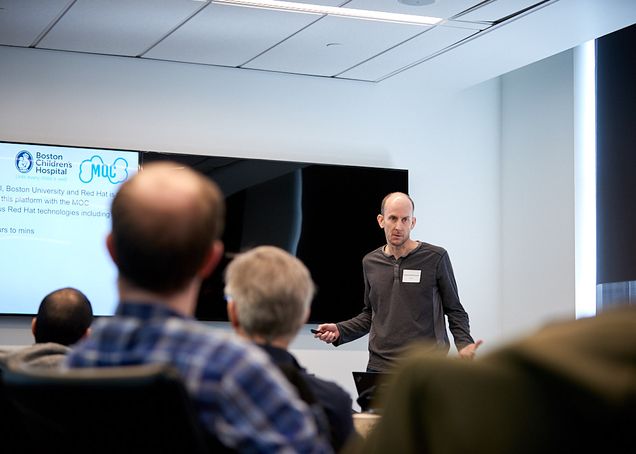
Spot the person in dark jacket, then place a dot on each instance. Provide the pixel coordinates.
(269, 294)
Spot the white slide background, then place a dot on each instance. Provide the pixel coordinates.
(54, 217)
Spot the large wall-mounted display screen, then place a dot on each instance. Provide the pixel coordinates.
(54, 217)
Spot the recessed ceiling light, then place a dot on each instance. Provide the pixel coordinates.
(309, 8)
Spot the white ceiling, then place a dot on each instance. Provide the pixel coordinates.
(191, 31)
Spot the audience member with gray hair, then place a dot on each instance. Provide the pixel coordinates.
(64, 317)
(269, 294)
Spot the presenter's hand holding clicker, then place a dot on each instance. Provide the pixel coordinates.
(327, 332)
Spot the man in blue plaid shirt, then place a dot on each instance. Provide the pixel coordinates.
(166, 225)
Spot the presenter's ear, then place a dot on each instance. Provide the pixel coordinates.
(212, 259)
(34, 322)
(381, 221)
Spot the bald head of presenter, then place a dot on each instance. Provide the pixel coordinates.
(409, 293)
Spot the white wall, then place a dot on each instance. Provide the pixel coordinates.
(450, 142)
(537, 194)
(92, 100)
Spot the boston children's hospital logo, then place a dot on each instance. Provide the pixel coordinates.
(24, 161)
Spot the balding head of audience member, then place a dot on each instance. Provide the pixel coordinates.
(166, 225)
(64, 317)
(269, 294)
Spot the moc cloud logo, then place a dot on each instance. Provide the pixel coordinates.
(95, 167)
(24, 161)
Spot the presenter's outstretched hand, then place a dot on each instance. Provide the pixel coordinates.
(327, 332)
(468, 352)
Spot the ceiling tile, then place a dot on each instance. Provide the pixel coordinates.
(408, 53)
(22, 21)
(118, 27)
(332, 45)
(229, 35)
(198, 32)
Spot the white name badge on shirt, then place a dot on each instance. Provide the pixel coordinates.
(411, 276)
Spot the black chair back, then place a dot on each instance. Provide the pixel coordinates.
(132, 409)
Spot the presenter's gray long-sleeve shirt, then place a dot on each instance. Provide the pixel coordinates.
(405, 300)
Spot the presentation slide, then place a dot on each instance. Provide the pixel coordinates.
(54, 218)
